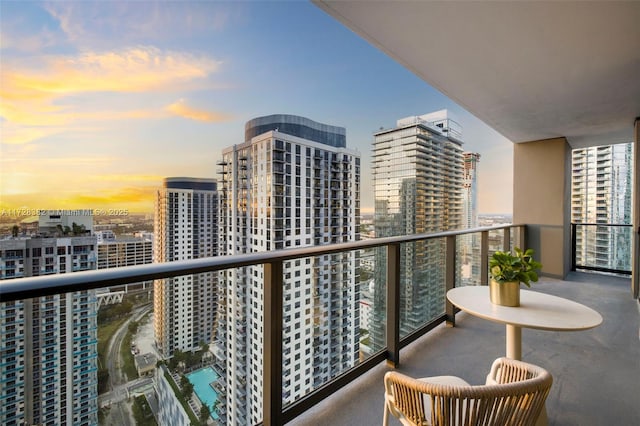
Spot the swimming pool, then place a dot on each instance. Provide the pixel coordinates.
(201, 381)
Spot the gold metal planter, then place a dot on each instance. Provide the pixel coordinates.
(505, 294)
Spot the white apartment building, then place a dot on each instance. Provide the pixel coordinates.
(124, 251)
(186, 227)
(418, 182)
(48, 353)
(601, 183)
(293, 183)
(119, 251)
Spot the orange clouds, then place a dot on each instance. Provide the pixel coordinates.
(131, 70)
(34, 99)
(181, 109)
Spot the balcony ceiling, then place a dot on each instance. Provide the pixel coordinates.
(530, 70)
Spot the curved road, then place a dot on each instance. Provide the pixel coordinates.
(117, 397)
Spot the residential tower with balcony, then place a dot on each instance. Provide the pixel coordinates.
(418, 174)
(601, 183)
(186, 227)
(48, 353)
(293, 183)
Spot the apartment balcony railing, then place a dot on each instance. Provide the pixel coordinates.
(396, 337)
(601, 247)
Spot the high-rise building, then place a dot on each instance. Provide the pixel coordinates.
(186, 227)
(469, 245)
(293, 183)
(118, 251)
(418, 185)
(470, 190)
(601, 192)
(48, 355)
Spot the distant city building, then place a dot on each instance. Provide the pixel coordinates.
(469, 246)
(144, 234)
(105, 236)
(470, 190)
(293, 183)
(186, 227)
(116, 252)
(418, 173)
(29, 225)
(601, 192)
(65, 222)
(48, 356)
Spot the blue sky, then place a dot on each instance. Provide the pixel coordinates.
(101, 100)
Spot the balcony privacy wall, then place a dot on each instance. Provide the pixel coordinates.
(541, 199)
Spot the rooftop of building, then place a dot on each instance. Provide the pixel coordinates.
(295, 125)
(190, 183)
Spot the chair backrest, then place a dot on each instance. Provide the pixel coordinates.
(515, 396)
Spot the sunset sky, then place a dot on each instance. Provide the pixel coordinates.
(102, 100)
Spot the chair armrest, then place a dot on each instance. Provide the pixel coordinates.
(507, 370)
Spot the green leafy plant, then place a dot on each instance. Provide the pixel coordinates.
(505, 267)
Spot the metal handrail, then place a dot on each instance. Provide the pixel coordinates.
(574, 243)
(601, 224)
(39, 286)
(273, 411)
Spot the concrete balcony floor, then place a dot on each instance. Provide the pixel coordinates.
(596, 372)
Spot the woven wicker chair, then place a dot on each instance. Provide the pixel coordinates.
(514, 394)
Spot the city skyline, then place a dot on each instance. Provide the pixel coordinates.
(107, 93)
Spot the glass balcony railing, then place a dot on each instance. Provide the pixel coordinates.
(601, 247)
(293, 326)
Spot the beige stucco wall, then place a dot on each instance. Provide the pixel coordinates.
(541, 199)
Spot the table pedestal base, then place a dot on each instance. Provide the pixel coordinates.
(514, 342)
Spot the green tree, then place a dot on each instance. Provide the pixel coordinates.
(103, 380)
(187, 387)
(78, 229)
(204, 414)
(178, 357)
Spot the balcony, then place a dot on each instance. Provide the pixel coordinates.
(606, 356)
(431, 348)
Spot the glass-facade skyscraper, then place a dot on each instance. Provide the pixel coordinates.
(292, 183)
(469, 245)
(418, 181)
(601, 193)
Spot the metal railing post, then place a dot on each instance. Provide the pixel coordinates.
(506, 239)
(450, 278)
(393, 304)
(522, 237)
(484, 258)
(574, 242)
(272, 342)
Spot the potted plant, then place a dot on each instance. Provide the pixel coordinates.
(507, 271)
